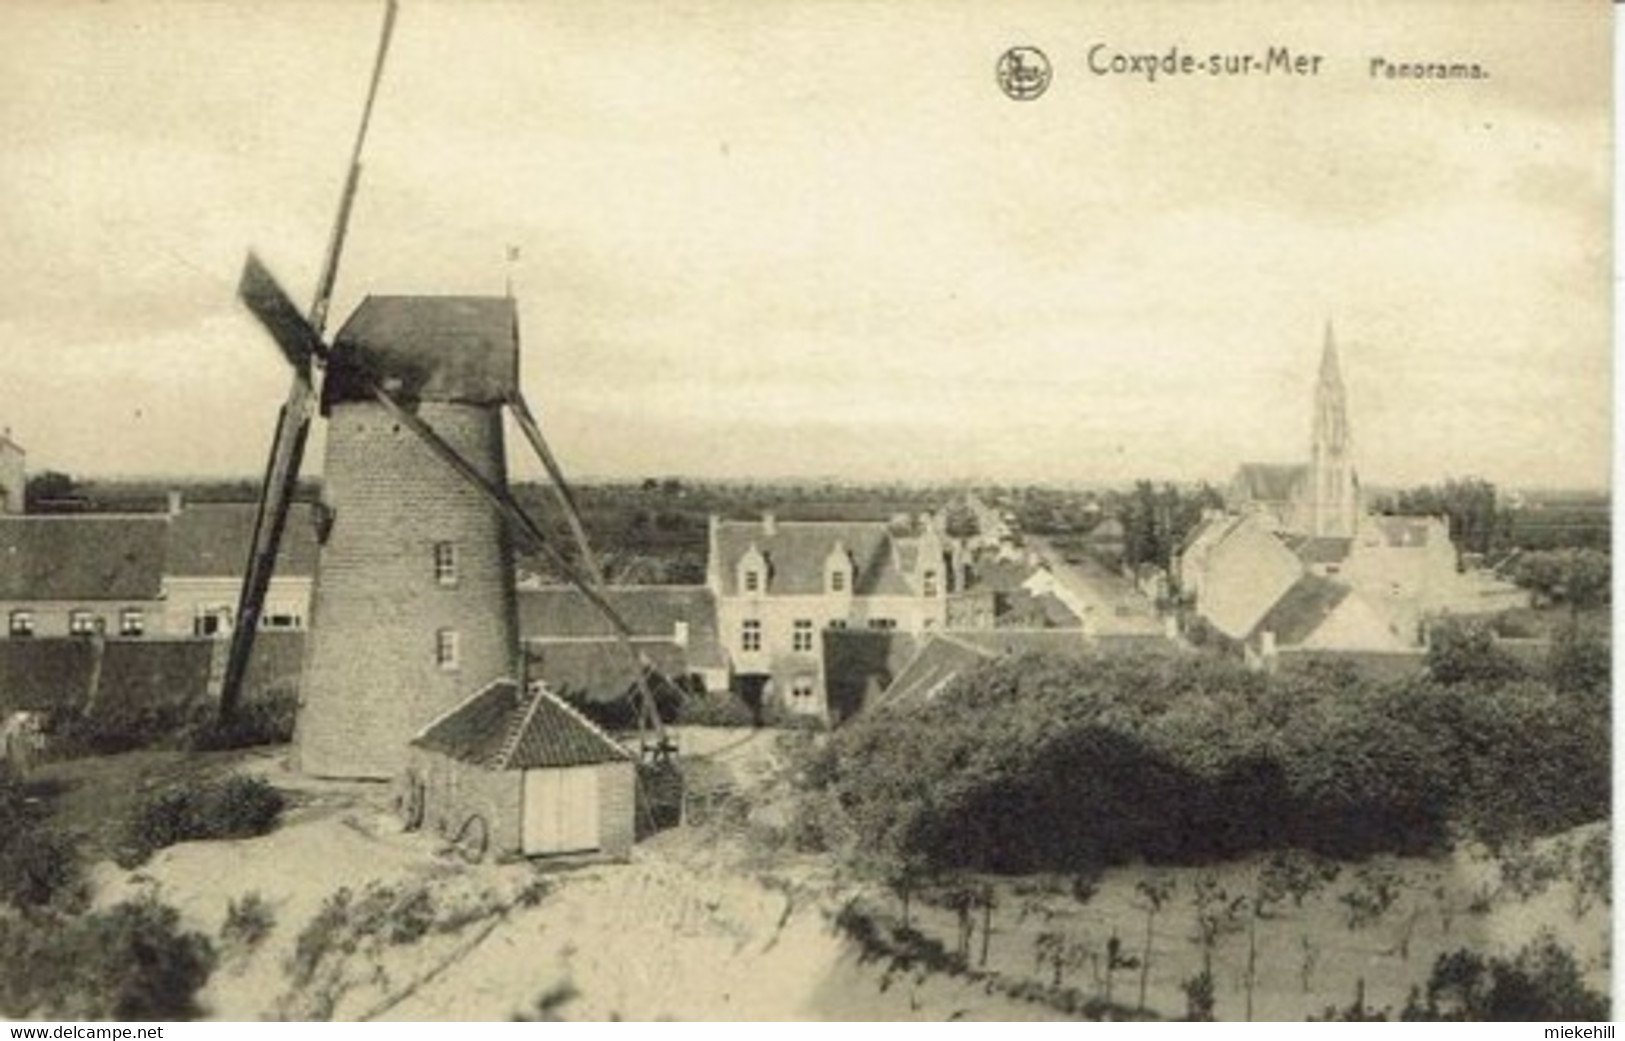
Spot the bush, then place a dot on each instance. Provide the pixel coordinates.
(1041, 764)
(39, 864)
(248, 922)
(130, 962)
(265, 720)
(237, 807)
(1542, 982)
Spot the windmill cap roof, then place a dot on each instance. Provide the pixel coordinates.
(430, 348)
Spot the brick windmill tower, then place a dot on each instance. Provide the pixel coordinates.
(414, 607)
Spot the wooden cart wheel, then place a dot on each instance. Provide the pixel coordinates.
(473, 839)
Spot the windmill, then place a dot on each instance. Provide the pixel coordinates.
(414, 601)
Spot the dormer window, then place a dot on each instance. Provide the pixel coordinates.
(837, 581)
(752, 573)
(928, 583)
(838, 570)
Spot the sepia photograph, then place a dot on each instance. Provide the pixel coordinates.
(531, 511)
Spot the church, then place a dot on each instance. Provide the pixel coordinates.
(1319, 499)
(1296, 566)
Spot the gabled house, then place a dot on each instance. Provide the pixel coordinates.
(779, 584)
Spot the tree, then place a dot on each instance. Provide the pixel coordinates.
(1477, 524)
(46, 491)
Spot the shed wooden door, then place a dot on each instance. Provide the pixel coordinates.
(560, 811)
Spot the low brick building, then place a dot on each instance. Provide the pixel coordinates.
(516, 772)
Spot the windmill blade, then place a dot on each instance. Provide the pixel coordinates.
(300, 340)
(265, 298)
(561, 487)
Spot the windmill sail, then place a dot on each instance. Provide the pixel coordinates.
(301, 342)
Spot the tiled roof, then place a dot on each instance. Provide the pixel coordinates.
(1024, 610)
(86, 557)
(937, 664)
(1269, 482)
(797, 550)
(857, 660)
(564, 611)
(440, 348)
(1302, 609)
(1001, 576)
(600, 669)
(504, 729)
(213, 540)
(1324, 549)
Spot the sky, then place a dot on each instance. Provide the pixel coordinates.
(798, 239)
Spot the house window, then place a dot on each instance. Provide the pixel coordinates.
(212, 621)
(882, 623)
(929, 582)
(445, 563)
(750, 636)
(837, 581)
(281, 618)
(445, 649)
(753, 581)
(82, 622)
(131, 622)
(801, 636)
(837, 623)
(22, 623)
(801, 688)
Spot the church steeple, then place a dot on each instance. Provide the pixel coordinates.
(1331, 465)
(1331, 402)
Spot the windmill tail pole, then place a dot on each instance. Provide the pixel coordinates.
(649, 709)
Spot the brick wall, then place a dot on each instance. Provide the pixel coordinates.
(371, 680)
(455, 791)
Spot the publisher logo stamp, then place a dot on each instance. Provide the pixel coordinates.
(1024, 73)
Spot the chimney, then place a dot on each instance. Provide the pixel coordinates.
(679, 633)
(1267, 645)
(176, 501)
(770, 523)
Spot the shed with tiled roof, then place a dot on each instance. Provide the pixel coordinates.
(515, 771)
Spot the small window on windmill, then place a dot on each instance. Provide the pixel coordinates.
(445, 649)
(445, 563)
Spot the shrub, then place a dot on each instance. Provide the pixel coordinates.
(130, 962)
(237, 807)
(39, 866)
(1542, 982)
(265, 720)
(1040, 764)
(38, 863)
(248, 922)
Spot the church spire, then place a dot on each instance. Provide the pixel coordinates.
(1334, 490)
(1331, 431)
